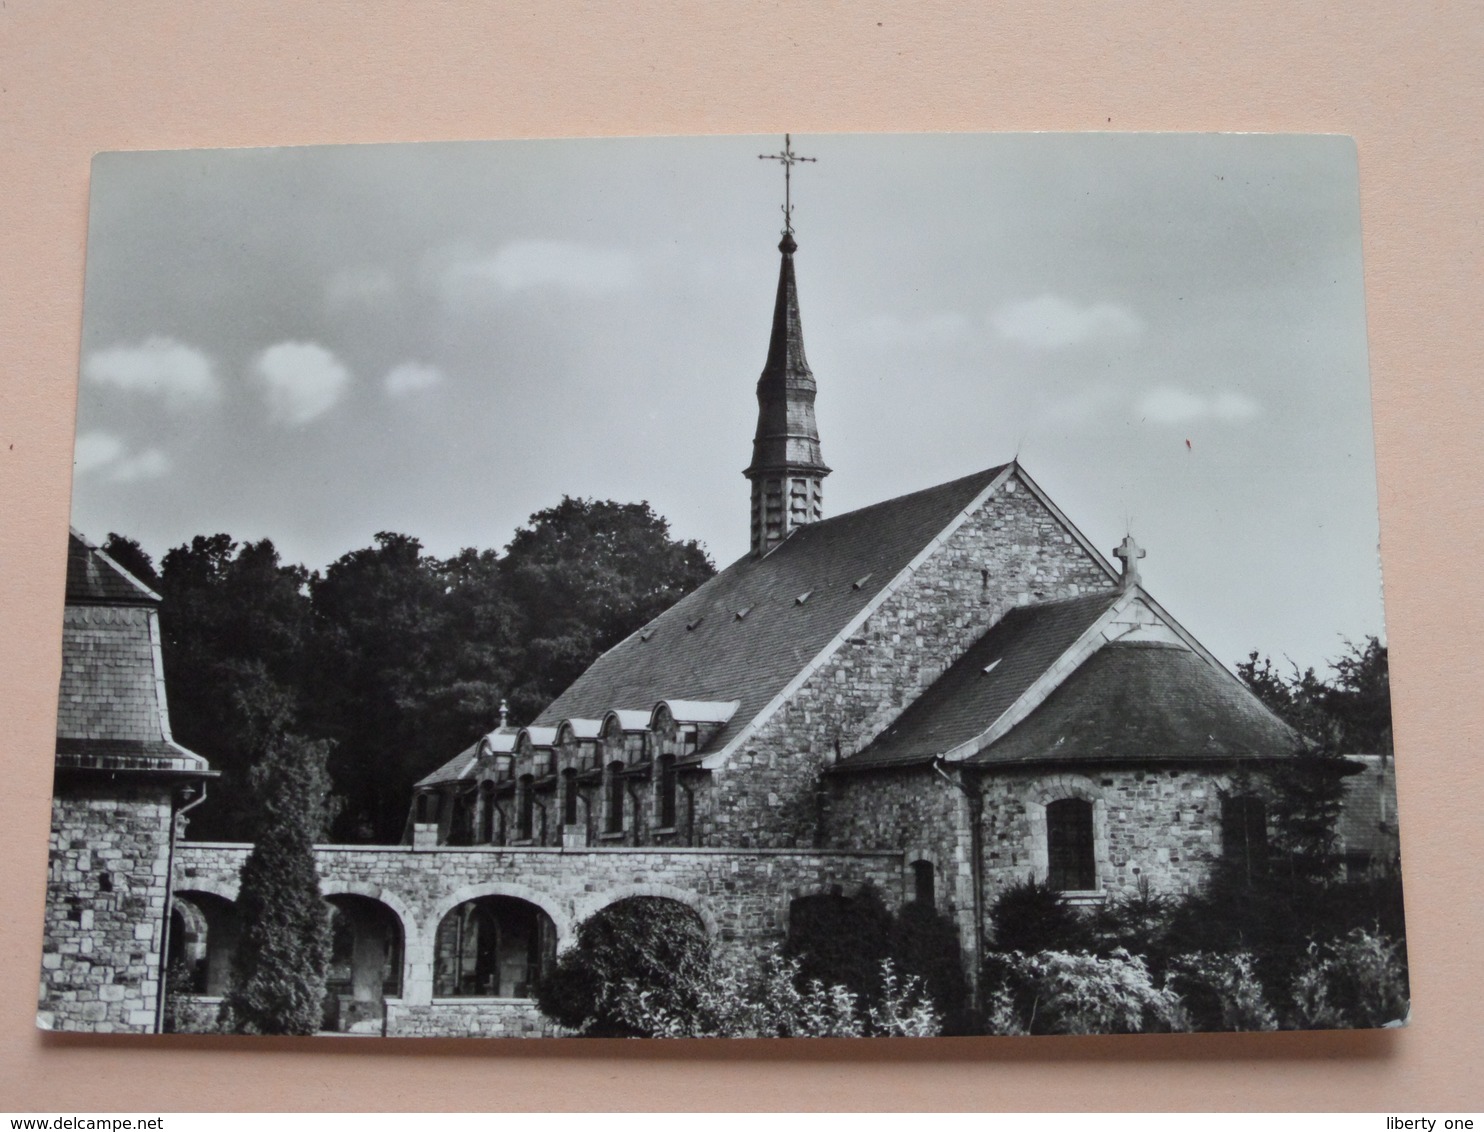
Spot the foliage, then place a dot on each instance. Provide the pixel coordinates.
(1032, 916)
(183, 1014)
(1059, 992)
(925, 946)
(1357, 981)
(1348, 713)
(1138, 921)
(840, 939)
(770, 1000)
(641, 946)
(1220, 991)
(278, 978)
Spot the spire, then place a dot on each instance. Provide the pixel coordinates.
(787, 469)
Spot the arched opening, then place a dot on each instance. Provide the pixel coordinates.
(204, 929)
(1070, 851)
(840, 939)
(493, 947)
(365, 963)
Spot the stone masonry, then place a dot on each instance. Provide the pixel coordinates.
(100, 967)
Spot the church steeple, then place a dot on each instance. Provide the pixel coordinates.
(787, 470)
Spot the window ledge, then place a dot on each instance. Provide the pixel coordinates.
(481, 1000)
(664, 829)
(617, 835)
(1084, 897)
(523, 841)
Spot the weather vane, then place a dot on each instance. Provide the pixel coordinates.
(786, 159)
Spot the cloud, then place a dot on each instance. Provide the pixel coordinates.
(303, 381)
(147, 465)
(158, 366)
(925, 330)
(360, 286)
(411, 377)
(527, 265)
(94, 450)
(104, 452)
(1168, 405)
(1053, 323)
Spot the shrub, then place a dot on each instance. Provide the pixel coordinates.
(642, 946)
(1220, 992)
(840, 939)
(1138, 922)
(1032, 916)
(1354, 982)
(1057, 992)
(769, 1000)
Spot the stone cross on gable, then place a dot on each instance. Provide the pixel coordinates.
(1130, 552)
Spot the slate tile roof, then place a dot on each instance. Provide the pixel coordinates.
(93, 578)
(751, 629)
(1144, 701)
(111, 711)
(967, 699)
(461, 766)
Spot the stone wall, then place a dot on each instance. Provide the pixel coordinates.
(741, 897)
(109, 859)
(1011, 551)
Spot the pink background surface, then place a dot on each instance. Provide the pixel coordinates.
(1404, 80)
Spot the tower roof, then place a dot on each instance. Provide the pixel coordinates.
(787, 437)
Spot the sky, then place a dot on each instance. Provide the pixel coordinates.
(316, 344)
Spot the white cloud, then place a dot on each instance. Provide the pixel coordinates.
(525, 265)
(104, 452)
(147, 465)
(94, 450)
(925, 330)
(303, 381)
(158, 366)
(411, 377)
(360, 286)
(1052, 323)
(1168, 405)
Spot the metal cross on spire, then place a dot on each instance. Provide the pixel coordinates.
(786, 159)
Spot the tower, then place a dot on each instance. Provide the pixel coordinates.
(787, 470)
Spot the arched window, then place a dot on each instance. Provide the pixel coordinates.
(923, 887)
(569, 796)
(494, 947)
(667, 784)
(487, 826)
(614, 819)
(1244, 834)
(1069, 846)
(525, 801)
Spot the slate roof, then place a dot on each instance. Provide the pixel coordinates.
(93, 578)
(751, 629)
(111, 711)
(1144, 701)
(966, 700)
(460, 766)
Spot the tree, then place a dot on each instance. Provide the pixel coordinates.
(234, 622)
(278, 983)
(585, 574)
(132, 557)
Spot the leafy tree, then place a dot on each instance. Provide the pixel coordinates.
(642, 946)
(278, 983)
(234, 622)
(585, 574)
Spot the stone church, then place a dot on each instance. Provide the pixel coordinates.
(936, 696)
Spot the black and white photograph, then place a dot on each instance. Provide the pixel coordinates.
(485, 617)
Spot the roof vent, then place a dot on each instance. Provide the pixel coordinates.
(861, 581)
(689, 625)
(992, 665)
(803, 597)
(743, 612)
(645, 634)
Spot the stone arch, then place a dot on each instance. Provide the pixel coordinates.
(849, 890)
(597, 901)
(215, 925)
(558, 916)
(1056, 788)
(226, 889)
(335, 887)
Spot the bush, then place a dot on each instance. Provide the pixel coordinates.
(769, 1000)
(1032, 916)
(840, 940)
(1220, 992)
(644, 947)
(1138, 922)
(1057, 992)
(1355, 982)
